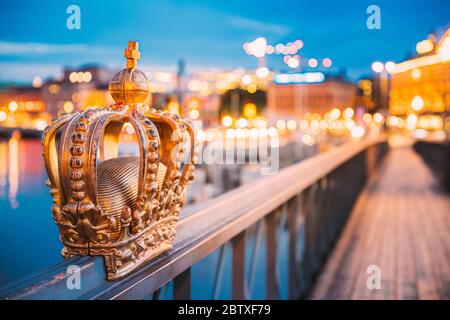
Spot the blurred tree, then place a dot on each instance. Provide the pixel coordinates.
(232, 102)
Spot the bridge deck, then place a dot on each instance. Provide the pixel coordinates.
(401, 223)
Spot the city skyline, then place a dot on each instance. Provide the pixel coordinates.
(36, 40)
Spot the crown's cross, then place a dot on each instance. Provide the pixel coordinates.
(132, 54)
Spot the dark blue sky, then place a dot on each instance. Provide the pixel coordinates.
(208, 33)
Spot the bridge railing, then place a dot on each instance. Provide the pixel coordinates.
(267, 239)
(437, 156)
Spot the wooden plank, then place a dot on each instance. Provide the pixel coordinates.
(444, 244)
(406, 281)
(338, 279)
(374, 233)
(437, 231)
(371, 235)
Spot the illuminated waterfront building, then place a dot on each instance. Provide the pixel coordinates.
(366, 96)
(422, 84)
(295, 94)
(33, 106)
(22, 107)
(77, 89)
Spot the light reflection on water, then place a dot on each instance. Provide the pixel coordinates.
(29, 239)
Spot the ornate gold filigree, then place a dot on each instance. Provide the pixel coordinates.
(123, 208)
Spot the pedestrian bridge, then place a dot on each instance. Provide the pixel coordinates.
(310, 231)
(400, 224)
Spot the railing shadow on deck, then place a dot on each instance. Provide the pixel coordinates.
(436, 155)
(265, 240)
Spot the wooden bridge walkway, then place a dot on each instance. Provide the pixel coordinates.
(400, 223)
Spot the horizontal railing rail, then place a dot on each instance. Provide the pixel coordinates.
(304, 206)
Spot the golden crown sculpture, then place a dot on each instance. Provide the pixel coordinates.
(122, 208)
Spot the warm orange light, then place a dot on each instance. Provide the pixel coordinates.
(417, 103)
(357, 132)
(444, 48)
(281, 124)
(411, 121)
(246, 79)
(424, 46)
(73, 77)
(37, 82)
(293, 62)
(291, 125)
(313, 62)
(242, 123)
(326, 62)
(13, 106)
(378, 118)
(390, 66)
(377, 67)
(40, 124)
(416, 73)
(54, 88)
(393, 121)
(68, 107)
(348, 113)
(87, 76)
(194, 114)
(250, 110)
(262, 72)
(335, 113)
(251, 88)
(417, 63)
(173, 107)
(256, 48)
(227, 121)
(303, 124)
(308, 140)
(367, 117)
(129, 128)
(272, 131)
(3, 116)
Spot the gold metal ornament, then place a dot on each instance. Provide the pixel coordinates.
(122, 208)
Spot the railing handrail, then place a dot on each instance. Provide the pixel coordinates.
(201, 229)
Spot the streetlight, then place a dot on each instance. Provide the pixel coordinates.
(313, 62)
(377, 67)
(389, 67)
(326, 62)
(227, 121)
(384, 70)
(417, 103)
(293, 62)
(256, 48)
(262, 72)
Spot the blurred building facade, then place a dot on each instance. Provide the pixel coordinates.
(77, 89)
(422, 84)
(22, 106)
(34, 106)
(365, 94)
(293, 99)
